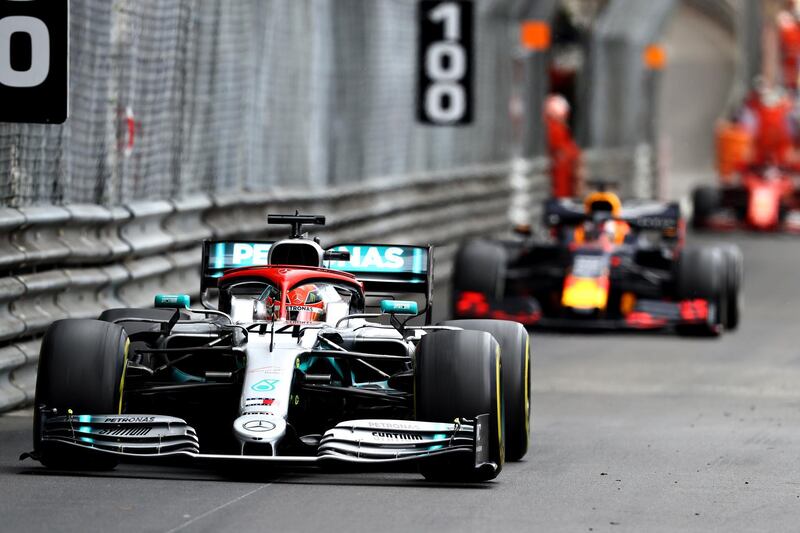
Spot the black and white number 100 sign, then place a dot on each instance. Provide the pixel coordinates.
(445, 62)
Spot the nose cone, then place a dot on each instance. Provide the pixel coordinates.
(261, 429)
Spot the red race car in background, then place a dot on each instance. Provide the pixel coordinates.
(765, 199)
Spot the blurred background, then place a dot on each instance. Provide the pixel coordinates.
(192, 120)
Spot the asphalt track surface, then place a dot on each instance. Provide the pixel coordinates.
(631, 432)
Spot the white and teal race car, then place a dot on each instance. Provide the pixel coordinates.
(305, 358)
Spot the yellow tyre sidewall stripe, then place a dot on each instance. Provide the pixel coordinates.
(527, 389)
(124, 370)
(499, 407)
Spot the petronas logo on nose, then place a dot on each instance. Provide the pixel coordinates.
(265, 385)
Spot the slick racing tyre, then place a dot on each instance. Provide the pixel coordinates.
(458, 375)
(705, 200)
(480, 266)
(702, 273)
(733, 287)
(516, 364)
(82, 368)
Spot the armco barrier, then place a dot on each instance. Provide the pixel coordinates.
(39, 238)
(74, 261)
(11, 256)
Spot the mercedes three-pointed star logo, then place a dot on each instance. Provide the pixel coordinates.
(258, 425)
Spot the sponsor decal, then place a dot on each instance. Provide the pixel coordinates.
(238, 254)
(129, 419)
(385, 435)
(253, 402)
(259, 426)
(245, 254)
(393, 425)
(272, 369)
(400, 259)
(126, 431)
(301, 308)
(265, 385)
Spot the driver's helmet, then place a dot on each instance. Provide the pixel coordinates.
(306, 303)
(603, 210)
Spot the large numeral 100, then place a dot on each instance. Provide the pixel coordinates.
(445, 99)
(39, 68)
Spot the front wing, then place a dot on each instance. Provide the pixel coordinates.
(726, 220)
(357, 444)
(646, 315)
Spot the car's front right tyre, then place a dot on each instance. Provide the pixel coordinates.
(81, 369)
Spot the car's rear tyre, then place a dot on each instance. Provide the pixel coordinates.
(705, 201)
(733, 287)
(702, 274)
(82, 368)
(480, 266)
(458, 375)
(516, 363)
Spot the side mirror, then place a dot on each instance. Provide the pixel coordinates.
(336, 255)
(172, 301)
(262, 311)
(399, 307)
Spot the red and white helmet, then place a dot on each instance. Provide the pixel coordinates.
(306, 303)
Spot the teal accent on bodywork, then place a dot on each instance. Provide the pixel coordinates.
(438, 436)
(399, 307)
(85, 429)
(85, 419)
(336, 366)
(87, 439)
(305, 365)
(418, 264)
(219, 255)
(381, 384)
(172, 301)
(182, 377)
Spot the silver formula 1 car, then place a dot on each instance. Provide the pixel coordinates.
(290, 368)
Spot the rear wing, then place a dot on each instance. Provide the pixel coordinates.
(642, 215)
(654, 216)
(389, 269)
(382, 268)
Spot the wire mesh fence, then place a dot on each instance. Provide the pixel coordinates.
(174, 98)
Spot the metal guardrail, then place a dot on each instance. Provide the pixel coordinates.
(75, 261)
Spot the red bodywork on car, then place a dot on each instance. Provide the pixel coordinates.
(764, 199)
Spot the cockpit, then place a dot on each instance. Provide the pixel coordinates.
(307, 303)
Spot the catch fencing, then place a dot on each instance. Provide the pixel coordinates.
(193, 120)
